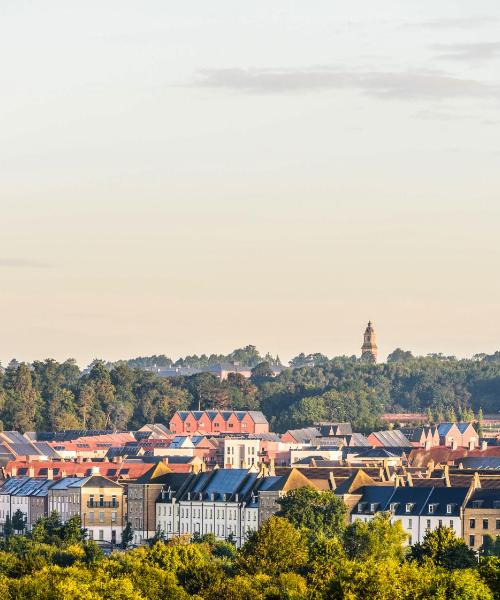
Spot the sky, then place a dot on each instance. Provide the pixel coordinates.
(189, 177)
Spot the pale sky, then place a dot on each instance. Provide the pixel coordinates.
(188, 177)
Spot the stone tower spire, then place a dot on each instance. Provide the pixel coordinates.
(369, 347)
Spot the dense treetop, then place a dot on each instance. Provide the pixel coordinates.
(287, 558)
(48, 395)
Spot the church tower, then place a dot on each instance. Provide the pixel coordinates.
(369, 347)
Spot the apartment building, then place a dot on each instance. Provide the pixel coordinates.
(419, 509)
(229, 503)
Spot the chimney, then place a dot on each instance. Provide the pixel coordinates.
(453, 444)
(31, 471)
(50, 473)
(471, 444)
(427, 445)
(13, 472)
(484, 445)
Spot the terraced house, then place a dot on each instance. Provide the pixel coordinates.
(229, 503)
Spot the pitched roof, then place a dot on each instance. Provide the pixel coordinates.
(393, 437)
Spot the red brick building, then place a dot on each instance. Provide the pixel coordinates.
(215, 421)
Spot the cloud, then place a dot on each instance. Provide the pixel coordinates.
(469, 52)
(453, 23)
(402, 85)
(23, 263)
(442, 115)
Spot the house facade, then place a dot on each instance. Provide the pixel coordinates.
(215, 421)
(482, 516)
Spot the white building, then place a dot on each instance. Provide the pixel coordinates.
(241, 453)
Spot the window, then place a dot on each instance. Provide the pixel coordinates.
(431, 508)
(101, 535)
(452, 524)
(448, 509)
(428, 524)
(472, 523)
(91, 517)
(485, 523)
(408, 507)
(440, 523)
(91, 500)
(101, 516)
(91, 534)
(472, 540)
(101, 499)
(497, 525)
(409, 523)
(113, 517)
(113, 501)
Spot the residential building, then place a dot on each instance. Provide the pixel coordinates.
(103, 509)
(481, 516)
(225, 502)
(420, 509)
(142, 495)
(215, 421)
(240, 453)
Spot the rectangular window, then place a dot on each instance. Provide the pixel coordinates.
(113, 517)
(431, 508)
(101, 499)
(101, 517)
(472, 523)
(91, 534)
(472, 540)
(485, 523)
(91, 517)
(497, 525)
(428, 523)
(101, 535)
(440, 523)
(409, 523)
(452, 524)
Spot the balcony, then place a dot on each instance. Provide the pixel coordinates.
(103, 504)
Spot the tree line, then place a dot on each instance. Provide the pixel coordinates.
(49, 395)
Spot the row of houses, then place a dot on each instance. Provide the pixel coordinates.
(100, 503)
(471, 513)
(230, 503)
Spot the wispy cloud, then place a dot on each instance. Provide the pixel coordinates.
(23, 263)
(477, 51)
(452, 23)
(383, 84)
(442, 115)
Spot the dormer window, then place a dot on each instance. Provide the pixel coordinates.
(392, 507)
(449, 508)
(373, 506)
(408, 507)
(360, 507)
(431, 508)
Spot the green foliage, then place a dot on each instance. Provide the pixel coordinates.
(127, 535)
(276, 563)
(52, 395)
(378, 539)
(443, 547)
(275, 548)
(322, 514)
(491, 546)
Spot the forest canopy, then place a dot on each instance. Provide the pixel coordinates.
(48, 395)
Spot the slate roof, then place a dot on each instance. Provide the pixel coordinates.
(304, 435)
(444, 428)
(393, 437)
(413, 498)
(377, 495)
(444, 496)
(481, 498)
(488, 462)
